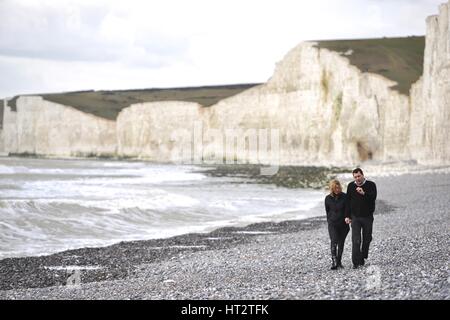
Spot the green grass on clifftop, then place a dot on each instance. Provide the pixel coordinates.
(398, 59)
(108, 104)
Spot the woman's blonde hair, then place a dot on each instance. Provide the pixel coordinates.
(333, 184)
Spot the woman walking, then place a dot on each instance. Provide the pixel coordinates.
(338, 229)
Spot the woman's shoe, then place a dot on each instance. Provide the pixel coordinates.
(334, 265)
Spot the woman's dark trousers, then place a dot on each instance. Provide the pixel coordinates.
(338, 233)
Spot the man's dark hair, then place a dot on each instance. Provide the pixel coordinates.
(358, 170)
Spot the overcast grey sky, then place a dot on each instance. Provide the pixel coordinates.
(65, 45)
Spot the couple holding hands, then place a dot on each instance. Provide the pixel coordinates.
(355, 208)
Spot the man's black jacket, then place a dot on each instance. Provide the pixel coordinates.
(361, 205)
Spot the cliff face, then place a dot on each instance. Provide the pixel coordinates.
(430, 97)
(327, 111)
(317, 108)
(159, 131)
(45, 128)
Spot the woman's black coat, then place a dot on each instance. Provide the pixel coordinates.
(335, 208)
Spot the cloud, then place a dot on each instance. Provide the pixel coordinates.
(61, 45)
(65, 31)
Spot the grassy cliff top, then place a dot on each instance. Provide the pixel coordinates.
(108, 104)
(398, 59)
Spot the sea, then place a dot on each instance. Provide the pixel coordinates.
(52, 205)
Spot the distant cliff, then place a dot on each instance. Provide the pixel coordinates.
(328, 103)
(430, 97)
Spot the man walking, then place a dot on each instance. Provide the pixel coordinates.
(361, 196)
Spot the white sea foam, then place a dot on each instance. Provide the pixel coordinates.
(48, 206)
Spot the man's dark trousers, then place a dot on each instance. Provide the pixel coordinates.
(360, 249)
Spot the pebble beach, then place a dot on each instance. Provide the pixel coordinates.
(409, 258)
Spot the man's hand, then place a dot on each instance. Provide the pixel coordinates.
(360, 191)
(348, 220)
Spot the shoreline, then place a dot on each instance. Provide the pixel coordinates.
(294, 177)
(117, 261)
(114, 259)
(308, 177)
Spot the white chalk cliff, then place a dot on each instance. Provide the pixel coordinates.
(41, 127)
(317, 108)
(430, 96)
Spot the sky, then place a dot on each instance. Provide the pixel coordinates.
(68, 45)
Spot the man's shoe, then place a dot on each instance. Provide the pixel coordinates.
(339, 265)
(362, 262)
(355, 266)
